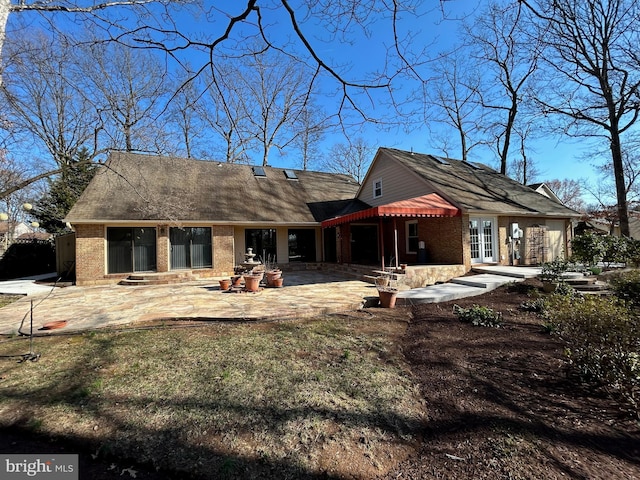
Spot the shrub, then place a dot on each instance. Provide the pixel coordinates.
(537, 305)
(552, 271)
(602, 339)
(479, 316)
(588, 248)
(626, 286)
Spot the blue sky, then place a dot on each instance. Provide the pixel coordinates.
(555, 157)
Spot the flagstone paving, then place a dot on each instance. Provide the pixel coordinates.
(85, 308)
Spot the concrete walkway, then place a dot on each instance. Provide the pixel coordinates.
(486, 279)
(25, 286)
(306, 293)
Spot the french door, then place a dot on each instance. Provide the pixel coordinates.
(483, 234)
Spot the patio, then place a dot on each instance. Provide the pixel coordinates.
(306, 293)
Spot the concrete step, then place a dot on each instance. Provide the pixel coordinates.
(486, 281)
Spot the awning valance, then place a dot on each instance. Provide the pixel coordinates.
(431, 205)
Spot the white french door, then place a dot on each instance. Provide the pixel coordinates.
(482, 234)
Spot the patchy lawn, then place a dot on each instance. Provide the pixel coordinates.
(332, 396)
(7, 299)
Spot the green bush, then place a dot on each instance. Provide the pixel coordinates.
(602, 341)
(626, 286)
(478, 316)
(588, 248)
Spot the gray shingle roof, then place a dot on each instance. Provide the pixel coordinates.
(479, 189)
(135, 187)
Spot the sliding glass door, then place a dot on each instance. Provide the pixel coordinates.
(131, 249)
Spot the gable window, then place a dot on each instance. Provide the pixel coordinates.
(377, 188)
(411, 229)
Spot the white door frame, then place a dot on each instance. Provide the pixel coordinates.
(483, 239)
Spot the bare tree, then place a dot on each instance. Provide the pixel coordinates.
(456, 95)
(222, 109)
(93, 10)
(352, 159)
(594, 76)
(45, 99)
(278, 89)
(310, 128)
(569, 192)
(129, 88)
(508, 59)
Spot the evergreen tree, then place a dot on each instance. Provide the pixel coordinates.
(63, 192)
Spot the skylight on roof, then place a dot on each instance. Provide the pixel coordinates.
(259, 171)
(290, 174)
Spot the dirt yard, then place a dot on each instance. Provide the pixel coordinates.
(501, 404)
(499, 401)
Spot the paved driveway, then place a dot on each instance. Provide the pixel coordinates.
(304, 294)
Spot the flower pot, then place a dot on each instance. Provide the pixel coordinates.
(272, 275)
(387, 298)
(277, 282)
(236, 280)
(252, 282)
(225, 284)
(549, 287)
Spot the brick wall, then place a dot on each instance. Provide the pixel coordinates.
(444, 239)
(223, 254)
(90, 254)
(162, 248)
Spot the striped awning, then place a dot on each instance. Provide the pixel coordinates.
(431, 205)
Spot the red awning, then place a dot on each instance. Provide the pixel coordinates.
(431, 205)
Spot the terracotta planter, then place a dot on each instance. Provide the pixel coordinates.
(252, 282)
(387, 298)
(225, 284)
(277, 282)
(236, 280)
(272, 275)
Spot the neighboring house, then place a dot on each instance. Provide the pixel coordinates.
(460, 212)
(543, 189)
(10, 231)
(143, 213)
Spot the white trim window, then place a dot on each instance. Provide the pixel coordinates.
(411, 234)
(377, 188)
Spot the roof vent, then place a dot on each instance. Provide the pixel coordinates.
(290, 174)
(258, 171)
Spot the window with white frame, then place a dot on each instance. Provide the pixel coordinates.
(377, 188)
(411, 229)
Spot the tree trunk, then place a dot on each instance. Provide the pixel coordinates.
(618, 173)
(5, 8)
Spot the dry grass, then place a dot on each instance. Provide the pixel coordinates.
(7, 299)
(328, 395)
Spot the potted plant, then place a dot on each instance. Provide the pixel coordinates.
(252, 279)
(552, 274)
(271, 270)
(387, 296)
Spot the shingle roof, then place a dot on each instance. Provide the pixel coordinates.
(135, 187)
(479, 189)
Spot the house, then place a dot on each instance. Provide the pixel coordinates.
(145, 213)
(10, 231)
(427, 209)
